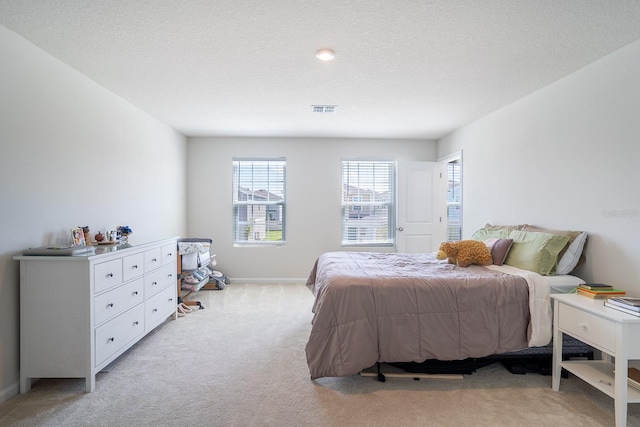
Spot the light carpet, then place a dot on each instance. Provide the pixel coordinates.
(241, 362)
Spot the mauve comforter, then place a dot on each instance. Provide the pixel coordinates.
(398, 307)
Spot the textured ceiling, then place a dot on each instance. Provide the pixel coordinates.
(403, 69)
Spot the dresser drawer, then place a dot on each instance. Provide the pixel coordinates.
(132, 266)
(169, 253)
(159, 307)
(588, 327)
(118, 300)
(118, 332)
(159, 279)
(107, 274)
(152, 259)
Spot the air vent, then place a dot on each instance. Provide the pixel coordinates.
(323, 108)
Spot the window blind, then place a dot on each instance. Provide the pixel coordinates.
(368, 203)
(259, 201)
(454, 201)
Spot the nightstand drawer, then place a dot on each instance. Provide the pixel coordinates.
(588, 327)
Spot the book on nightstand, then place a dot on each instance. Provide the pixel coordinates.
(608, 303)
(634, 377)
(627, 302)
(595, 286)
(591, 293)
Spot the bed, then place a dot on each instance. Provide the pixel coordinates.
(396, 307)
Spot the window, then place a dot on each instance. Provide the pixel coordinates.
(259, 201)
(454, 199)
(368, 203)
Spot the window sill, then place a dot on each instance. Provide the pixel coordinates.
(259, 245)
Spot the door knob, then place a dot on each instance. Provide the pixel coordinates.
(400, 229)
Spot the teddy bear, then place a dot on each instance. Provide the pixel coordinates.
(465, 253)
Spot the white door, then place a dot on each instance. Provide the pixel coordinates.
(419, 228)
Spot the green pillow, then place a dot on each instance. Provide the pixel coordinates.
(490, 233)
(535, 251)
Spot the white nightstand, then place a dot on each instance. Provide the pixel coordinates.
(615, 333)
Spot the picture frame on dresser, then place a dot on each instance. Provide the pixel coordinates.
(77, 237)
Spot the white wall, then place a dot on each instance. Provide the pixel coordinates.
(313, 197)
(73, 153)
(566, 156)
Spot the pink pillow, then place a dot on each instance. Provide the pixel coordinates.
(499, 249)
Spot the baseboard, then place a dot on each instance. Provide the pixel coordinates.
(270, 281)
(9, 392)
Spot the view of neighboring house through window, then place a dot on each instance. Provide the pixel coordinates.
(368, 203)
(259, 201)
(454, 200)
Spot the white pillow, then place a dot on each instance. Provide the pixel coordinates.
(570, 259)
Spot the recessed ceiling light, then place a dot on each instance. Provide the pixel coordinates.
(325, 54)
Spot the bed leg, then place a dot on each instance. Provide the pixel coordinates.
(381, 376)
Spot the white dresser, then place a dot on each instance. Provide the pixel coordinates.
(79, 313)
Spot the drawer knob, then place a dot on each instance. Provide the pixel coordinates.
(109, 275)
(112, 339)
(135, 323)
(110, 305)
(154, 283)
(154, 259)
(155, 310)
(135, 292)
(582, 325)
(135, 266)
